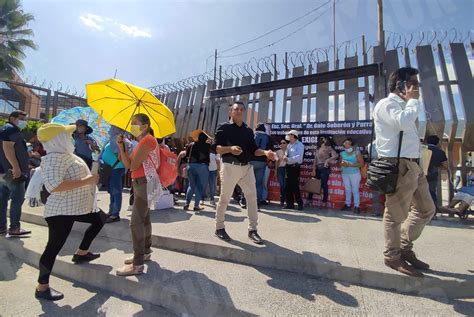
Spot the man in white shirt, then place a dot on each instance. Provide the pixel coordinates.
(294, 159)
(410, 207)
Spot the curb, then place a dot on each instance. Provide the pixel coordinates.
(155, 294)
(428, 286)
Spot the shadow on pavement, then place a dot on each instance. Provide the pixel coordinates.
(299, 284)
(293, 217)
(9, 264)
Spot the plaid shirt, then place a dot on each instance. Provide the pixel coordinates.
(57, 168)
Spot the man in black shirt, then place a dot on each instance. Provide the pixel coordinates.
(438, 160)
(235, 142)
(14, 172)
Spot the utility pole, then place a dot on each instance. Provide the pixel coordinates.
(381, 33)
(215, 65)
(334, 28)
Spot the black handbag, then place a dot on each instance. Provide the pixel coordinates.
(382, 175)
(105, 171)
(44, 194)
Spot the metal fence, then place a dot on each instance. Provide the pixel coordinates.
(444, 59)
(39, 100)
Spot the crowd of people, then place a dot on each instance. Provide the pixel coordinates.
(236, 157)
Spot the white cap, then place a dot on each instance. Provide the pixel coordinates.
(294, 132)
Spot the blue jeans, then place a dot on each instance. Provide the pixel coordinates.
(259, 171)
(15, 192)
(115, 190)
(266, 176)
(198, 176)
(212, 184)
(281, 175)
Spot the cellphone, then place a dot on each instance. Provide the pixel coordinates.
(402, 87)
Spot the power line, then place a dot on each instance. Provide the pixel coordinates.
(276, 29)
(281, 39)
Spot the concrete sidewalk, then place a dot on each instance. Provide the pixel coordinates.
(190, 285)
(323, 243)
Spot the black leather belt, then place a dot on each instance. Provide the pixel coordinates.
(235, 163)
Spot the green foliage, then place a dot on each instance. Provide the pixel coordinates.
(14, 37)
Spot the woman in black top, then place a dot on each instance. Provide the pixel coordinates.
(198, 169)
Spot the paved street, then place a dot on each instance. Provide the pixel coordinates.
(326, 236)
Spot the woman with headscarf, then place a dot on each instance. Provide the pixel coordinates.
(143, 163)
(198, 168)
(72, 198)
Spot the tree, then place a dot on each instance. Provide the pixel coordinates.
(14, 37)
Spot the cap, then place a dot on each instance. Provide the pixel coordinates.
(294, 132)
(195, 134)
(49, 131)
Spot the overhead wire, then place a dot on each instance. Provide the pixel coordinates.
(281, 39)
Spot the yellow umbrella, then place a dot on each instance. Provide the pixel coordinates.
(118, 101)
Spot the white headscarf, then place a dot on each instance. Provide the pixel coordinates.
(62, 143)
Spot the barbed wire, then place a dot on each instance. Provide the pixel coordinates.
(255, 67)
(50, 85)
(428, 37)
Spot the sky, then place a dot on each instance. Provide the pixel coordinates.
(151, 42)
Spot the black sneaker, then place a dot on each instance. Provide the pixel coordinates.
(346, 208)
(289, 207)
(49, 294)
(221, 234)
(300, 207)
(111, 219)
(85, 258)
(186, 207)
(253, 235)
(243, 205)
(357, 210)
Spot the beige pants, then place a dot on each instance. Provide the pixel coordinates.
(407, 211)
(232, 175)
(140, 223)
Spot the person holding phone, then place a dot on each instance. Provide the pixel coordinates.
(410, 207)
(235, 142)
(143, 163)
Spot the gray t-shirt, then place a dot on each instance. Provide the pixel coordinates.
(12, 133)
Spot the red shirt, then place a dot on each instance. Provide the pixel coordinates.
(151, 143)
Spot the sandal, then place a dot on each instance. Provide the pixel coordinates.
(146, 258)
(129, 270)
